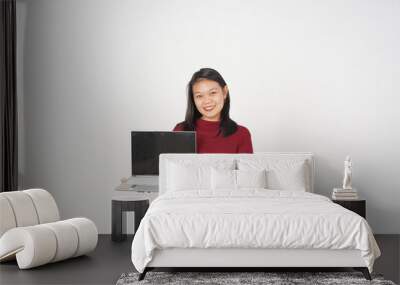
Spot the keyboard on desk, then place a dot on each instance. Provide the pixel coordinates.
(144, 188)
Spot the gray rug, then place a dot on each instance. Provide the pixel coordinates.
(230, 278)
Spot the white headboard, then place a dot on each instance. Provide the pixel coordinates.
(165, 157)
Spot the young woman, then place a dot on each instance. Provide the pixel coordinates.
(207, 113)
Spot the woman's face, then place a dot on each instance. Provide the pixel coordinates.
(209, 98)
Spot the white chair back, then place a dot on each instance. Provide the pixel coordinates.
(26, 208)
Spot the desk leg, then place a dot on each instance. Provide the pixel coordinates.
(117, 221)
(140, 211)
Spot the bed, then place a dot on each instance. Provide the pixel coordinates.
(248, 210)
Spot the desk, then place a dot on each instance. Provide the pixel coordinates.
(126, 201)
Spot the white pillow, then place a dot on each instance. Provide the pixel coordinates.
(251, 178)
(292, 178)
(223, 179)
(189, 175)
(281, 174)
(235, 179)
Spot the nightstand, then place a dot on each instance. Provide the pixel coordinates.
(357, 206)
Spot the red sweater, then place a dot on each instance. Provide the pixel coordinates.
(208, 141)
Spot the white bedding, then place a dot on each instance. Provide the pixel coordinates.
(250, 218)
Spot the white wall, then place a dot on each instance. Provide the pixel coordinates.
(318, 76)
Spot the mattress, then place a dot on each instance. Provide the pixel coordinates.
(250, 219)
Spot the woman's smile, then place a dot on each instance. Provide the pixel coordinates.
(208, 109)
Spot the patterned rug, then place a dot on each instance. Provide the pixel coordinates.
(269, 278)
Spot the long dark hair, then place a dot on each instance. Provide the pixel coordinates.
(227, 126)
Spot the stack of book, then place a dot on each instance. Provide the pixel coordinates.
(344, 194)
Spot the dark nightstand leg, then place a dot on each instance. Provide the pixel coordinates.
(364, 271)
(117, 222)
(140, 211)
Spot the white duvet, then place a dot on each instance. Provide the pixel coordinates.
(251, 218)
